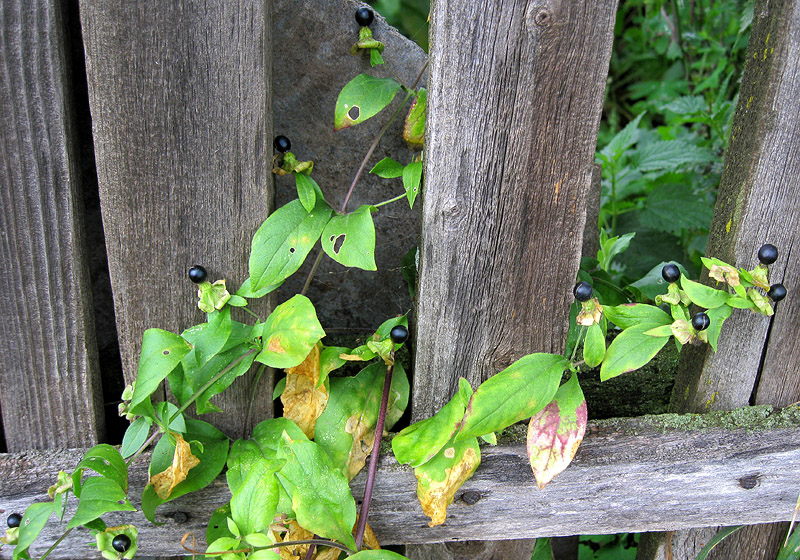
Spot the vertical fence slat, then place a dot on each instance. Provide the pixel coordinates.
(182, 119)
(51, 393)
(756, 359)
(513, 111)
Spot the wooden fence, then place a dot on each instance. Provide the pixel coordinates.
(180, 95)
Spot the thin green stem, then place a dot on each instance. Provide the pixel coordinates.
(613, 199)
(581, 334)
(55, 544)
(141, 449)
(679, 37)
(385, 202)
(316, 542)
(250, 312)
(312, 272)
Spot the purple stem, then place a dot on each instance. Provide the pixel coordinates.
(373, 461)
(312, 548)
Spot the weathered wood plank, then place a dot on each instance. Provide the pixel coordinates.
(51, 393)
(757, 203)
(634, 474)
(180, 94)
(509, 154)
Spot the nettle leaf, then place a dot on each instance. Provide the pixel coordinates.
(363, 97)
(303, 398)
(135, 436)
(623, 140)
(632, 349)
(99, 495)
(440, 478)
(162, 351)
(255, 502)
(518, 392)
(321, 497)
(208, 444)
(555, 433)
(414, 128)
(630, 314)
(388, 168)
(412, 179)
(594, 347)
(283, 242)
(349, 239)
(105, 460)
(702, 295)
(306, 191)
(290, 332)
(674, 207)
(671, 154)
(717, 317)
(420, 442)
(346, 430)
(33, 521)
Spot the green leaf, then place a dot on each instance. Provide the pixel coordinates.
(653, 284)
(717, 317)
(542, 550)
(388, 168)
(208, 444)
(671, 154)
(518, 392)
(556, 431)
(440, 478)
(245, 290)
(420, 442)
(165, 411)
(791, 551)
(363, 97)
(105, 460)
(237, 301)
(346, 428)
(631, 350)
(162, 351)
(329, 361)
(33, 521)
(414, 128)
(255, 502)
(412, 178)
(349, 239)
(375, 58)
(306, 192)
(702, 295)
(716, 539)
(630, 314)
(135, 436)
(217, 526)
(290, 332)
(99, 495)
(376, 555)
(321, 497)
(663, 330)
(212, 337)
(623, 140)
(674, 207)
(283, 242)
(594, 347)
(610, 247)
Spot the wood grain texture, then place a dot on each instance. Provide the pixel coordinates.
(180, 94)
(51, 394)
(757, 356)
(634, 474)
(509, 151)
(486, 550)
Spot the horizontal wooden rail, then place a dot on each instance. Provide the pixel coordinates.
(634, 474)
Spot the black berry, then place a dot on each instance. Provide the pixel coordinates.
(776, 292)
(14, 520)
(197, 274)
(121, 543)
(282, 144)
(670, 273)
(768, 253)
(700, 322)
(399, 334)
(364, 16)
(583, 291)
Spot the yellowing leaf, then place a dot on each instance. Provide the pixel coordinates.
(302, 400)
(440, 478)
(556, 432)
(363, 440)
(295, 533)
(182, 462)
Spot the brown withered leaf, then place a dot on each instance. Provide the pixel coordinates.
(182, 462)
(363, 440)
(302, 400)
(295, 533)
(440, 478)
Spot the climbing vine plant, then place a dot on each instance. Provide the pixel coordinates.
(289, 481)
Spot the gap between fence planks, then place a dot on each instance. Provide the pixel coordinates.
(634, 474)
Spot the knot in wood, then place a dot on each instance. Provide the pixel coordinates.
(466, 548)
(543, 17)
(180, 517)
(749, 481)
(470, 497)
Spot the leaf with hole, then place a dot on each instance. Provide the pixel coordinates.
(162, 351)
(349, 239)
(99, 495)
(283, 242)
(290, 332)
(33, 521)
(363, 97)
(105, 460)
